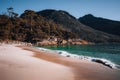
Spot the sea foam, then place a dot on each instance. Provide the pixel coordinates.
(103, 61)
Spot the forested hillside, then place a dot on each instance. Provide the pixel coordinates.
(34, 27)
(31, 27)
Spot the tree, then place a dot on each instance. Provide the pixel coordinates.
(11, 12)
(14, 14)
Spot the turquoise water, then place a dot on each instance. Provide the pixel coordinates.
(110, 52)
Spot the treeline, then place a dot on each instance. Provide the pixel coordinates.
(31, 27)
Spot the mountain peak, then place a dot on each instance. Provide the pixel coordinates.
(55, 13)
(89, 15)
(102, 24)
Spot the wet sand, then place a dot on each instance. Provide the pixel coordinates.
(83, 70)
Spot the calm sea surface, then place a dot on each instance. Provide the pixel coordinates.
(110, 52)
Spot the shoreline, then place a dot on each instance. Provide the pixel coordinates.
(103, 61)
(20, 62)
(82, 69)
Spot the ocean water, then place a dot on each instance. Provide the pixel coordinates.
(108, 53)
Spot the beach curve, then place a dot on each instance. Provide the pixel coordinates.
(29, 63)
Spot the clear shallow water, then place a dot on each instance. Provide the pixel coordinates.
(109, 52)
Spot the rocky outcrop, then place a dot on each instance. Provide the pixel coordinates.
(59, 41)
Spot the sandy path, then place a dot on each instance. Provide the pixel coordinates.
(17, 64)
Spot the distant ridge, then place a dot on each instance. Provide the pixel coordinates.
(102, 24)
(72, 24)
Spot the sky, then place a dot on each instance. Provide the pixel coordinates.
(109, 9)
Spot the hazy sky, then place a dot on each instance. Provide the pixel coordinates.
(102, 8)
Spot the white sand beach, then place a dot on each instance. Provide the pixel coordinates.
(18, 64)
(26, 63)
